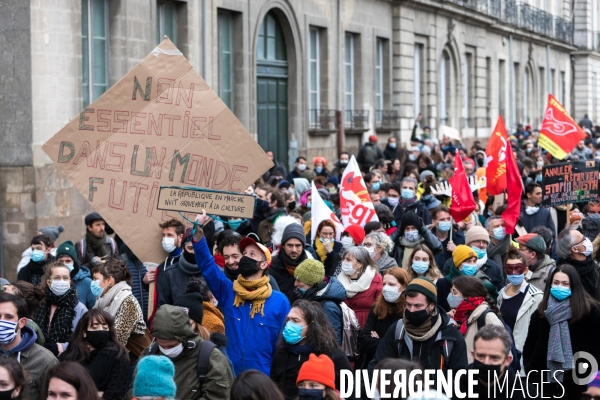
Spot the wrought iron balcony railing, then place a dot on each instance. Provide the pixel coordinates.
(356, 120)
(387, 119)
(322, 120)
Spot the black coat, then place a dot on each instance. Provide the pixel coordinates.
(389, 153)
(367, 345)
(584, 337)
(284, 279)
(286, 365)
(174, 281)
(458, 237)
(332, 257)
(418, 207)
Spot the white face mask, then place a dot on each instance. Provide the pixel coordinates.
(301, 167)
(390, 293)
(168, 244)
(346, 241)
(60, 287)
(531, 210)
(347, 268)
(173, 352)
(70, 266)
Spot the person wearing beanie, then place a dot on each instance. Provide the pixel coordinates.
(312, 284)
(463, 262)
(412, 231)
(369, 154)
(332, 185)
(422, 333)
(537, 261)
(80, 275)
(200, 306)
(175, 339)
(254, 313)
(291, 253)
(317, 375)
(155, 378)
(52, 231)
(96, 245)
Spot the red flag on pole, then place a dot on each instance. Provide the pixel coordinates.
(559, 133)
(514, 191)
(463, 203)
(496, 150)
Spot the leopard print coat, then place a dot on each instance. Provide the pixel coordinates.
(129, 320)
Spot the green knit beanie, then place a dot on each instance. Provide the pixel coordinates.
(310, 272)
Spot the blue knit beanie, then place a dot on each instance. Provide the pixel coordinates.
(155, 377)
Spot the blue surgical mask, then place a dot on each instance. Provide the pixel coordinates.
(322, 240)
(480, 253)
(560, 292)
(96, 289)
(420, 267)
(376, 185)
(234, 224)
(469, 269)
(318, 170)
(37, 255)
(407, 194)
(292, 333)
(515, 280)
(445, 226)
(70, 266)
(499, 233)
(392, 145)
(309, 204)
(454, 301)
(411, 236)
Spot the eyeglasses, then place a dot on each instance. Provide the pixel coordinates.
(514, 269)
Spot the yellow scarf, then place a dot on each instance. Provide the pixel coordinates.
(321, 250)
(261, 292)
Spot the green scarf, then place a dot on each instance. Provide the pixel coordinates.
(453, 274)
(96, 243)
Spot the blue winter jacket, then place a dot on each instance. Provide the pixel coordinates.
(83, 280)
(252, 341)
(333, 294)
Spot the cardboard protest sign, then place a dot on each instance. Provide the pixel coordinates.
(194, 201)
(570, 182)
(160, 125)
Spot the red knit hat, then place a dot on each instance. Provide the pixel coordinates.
(373, 139)
(319, 369)
(357, 232)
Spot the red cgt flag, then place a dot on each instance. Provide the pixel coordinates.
(514, 191)
(463, 203)
(496, 150)
(559, 134)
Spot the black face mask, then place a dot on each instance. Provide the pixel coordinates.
(416, 318)
(97, 339)
(291, 205)
(480, 162)
(189, 257)
(7, 394)
(486, 372)
(247, 266)
(310, 394)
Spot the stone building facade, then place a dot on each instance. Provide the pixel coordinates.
(306, 77)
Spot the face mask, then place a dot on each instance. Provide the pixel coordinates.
(480, 253)
(292, 333)
(347, 268)
(394, 201)
(310, 394)
(589, 247)
(343, 164)
(215, 302)
(531, 210)
(171, 353)
(332, 190)
(168, 244)
(301, 167)
(318, 170)
(390, 293)
(347, 241)
(454, 301)
(247, 266)
(37, 255)
(407, 194)
(291, 205)
(60, 287)
(376, 185)
(70, 266)
(539, 164)
(538, 178)
(309, 204)
(8, 331)
(411, 236)
(7, 394)
(371, 250)
(97, 339)
(445, 226)
(469, 269)
(416, 318)
(412, 157)
(392, 145)
(480, 162)
(486, 372)
(299, 292)
(499, 233)
(420, 267)
(529, 149)
(234, 224)
(189, 257)
(560, 292)
(515, 280)
(96, 289)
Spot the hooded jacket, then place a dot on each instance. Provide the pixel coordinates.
(541, 218)
(174, 280)
(172, 322)
(330, 293)
(265, 228)
(252, 341)
(82, 279)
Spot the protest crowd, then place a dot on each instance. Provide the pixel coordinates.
(454, 264)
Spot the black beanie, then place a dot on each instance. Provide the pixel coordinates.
(410, 218)
(193, 303)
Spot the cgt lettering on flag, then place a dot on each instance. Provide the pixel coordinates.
(355, 202)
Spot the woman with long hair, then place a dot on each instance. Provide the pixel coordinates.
(422, 263)
(469, 301)
(61, 310)
(388, 309)
(68, 380)
(33, 296)
(254, 385)
(566, 322)
(12, 379)
(360, 277)
(325, 245)
(394, 169)
(95, 346)
(306, 331)
(114, 294)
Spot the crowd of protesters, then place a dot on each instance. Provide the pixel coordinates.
(257, 309)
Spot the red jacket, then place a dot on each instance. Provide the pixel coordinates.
(362, 302)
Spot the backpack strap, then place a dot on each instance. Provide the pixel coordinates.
(113, 244)
(399, 335)
(481, 319)
(206, 349)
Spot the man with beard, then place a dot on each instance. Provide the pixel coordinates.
(229, 246)
(290, 255)
(97, 244)
(254, 313)
(532, 214)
